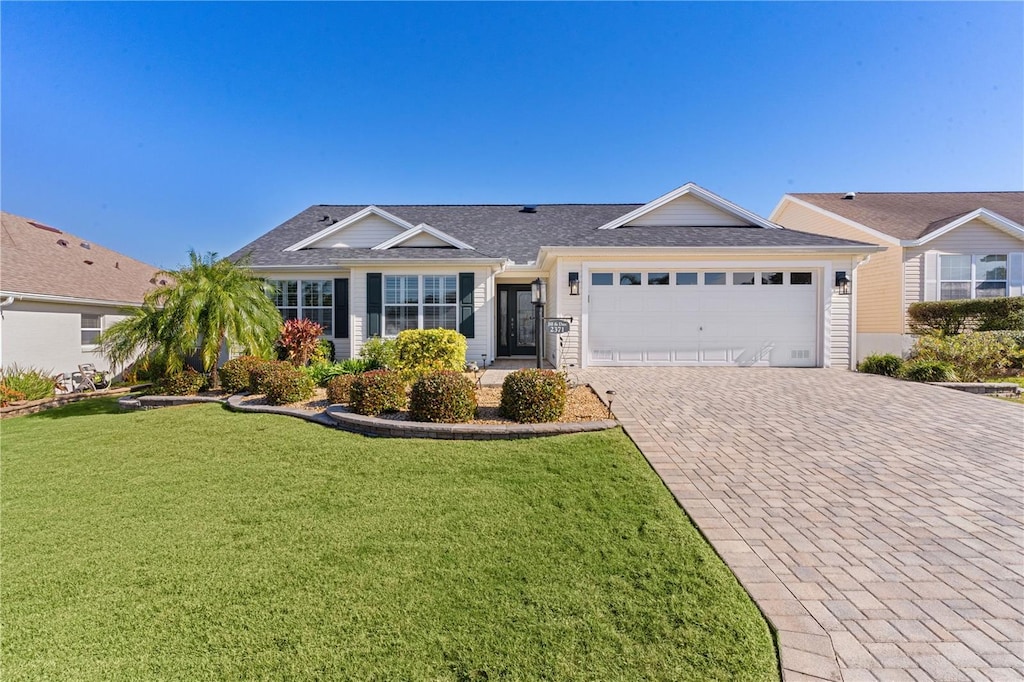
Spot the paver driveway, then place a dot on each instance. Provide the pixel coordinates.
(878, 524)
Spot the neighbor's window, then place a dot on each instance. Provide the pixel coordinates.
(602, 279)
(800, 278)
(743, 278)
(92, 325)
(966, 276)
(629, 279)
(686, 278)
(714, 278)
(771, 278)
(414, 302)
(316, 302)
(657, 278)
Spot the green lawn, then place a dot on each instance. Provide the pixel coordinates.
(197, 543)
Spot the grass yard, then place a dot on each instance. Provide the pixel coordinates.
(197, 543)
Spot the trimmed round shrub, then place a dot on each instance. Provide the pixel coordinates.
(533, 395)
(259, 371)
(284, 383)
(419, 352)
(376, 392)
(236, 374)
(928, 370)
(447, 397)
(187, 382)
(887, 365)
(339, 388)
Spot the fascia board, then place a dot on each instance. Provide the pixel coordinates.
(835, 216)
(342, 224)
(989, 217)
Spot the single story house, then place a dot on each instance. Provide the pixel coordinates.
(686, 279)
(58, 292)
(939, 246)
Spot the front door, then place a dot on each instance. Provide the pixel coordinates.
(516, 320)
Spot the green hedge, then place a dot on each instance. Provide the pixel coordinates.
(977, 314)
(974, 356)
(421, 351)
(283, 383)
(187, 382)
(375, 392)
(236, 374)
(446, 397)
(533, 395)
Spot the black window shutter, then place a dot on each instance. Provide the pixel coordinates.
(341, 308)
(374, 304)
(467, 325)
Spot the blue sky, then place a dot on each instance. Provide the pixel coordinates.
(154, 127)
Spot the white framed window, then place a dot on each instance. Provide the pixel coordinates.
(91, 326)
(972, 276)
(420, 302)
(315, 303)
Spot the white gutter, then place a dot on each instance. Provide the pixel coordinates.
(49, 298)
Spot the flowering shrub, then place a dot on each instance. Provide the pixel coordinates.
(300, 339)
(236, 374)
(533, 395)
(443, 397)
(376, 392)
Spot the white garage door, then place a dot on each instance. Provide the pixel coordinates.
(706, 317)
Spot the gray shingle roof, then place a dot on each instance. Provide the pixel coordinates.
(912, 215)
(504, 231)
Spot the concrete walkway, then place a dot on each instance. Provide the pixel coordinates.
(878, 524)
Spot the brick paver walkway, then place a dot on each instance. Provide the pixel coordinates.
(878, 524)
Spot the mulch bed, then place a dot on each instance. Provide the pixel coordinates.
(581, 405)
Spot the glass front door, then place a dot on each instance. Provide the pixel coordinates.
(516, 320)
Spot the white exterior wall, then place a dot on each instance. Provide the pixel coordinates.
(920, 263)
(483, 305)
(342, 347)
(48, 336)
(688, 210)
(566, 306)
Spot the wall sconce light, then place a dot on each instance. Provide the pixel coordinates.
(574, 284)
(842, 283)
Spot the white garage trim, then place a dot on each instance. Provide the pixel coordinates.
(823, 272)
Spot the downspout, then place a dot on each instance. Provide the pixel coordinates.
(853, 309)
(4, 303)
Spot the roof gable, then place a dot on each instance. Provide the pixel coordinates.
(988, 217)
(689, 206)
(364, 229)
(912, 216)
(422, 236)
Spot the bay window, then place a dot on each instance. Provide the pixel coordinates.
(420, 302)
(972, 276)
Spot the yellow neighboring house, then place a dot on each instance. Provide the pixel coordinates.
(939, 246)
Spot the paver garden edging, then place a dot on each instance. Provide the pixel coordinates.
(337, 416)
(1004, 389)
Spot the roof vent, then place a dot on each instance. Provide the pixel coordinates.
(62, 242)
(850, 196)
(87, 262)
(40, 226)
(325, 218)
(529, 208)
(86, 245)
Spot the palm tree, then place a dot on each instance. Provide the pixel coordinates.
(208, 302)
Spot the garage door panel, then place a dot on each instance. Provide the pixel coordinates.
(730, 324)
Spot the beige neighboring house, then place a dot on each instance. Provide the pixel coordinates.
(58, 292)
(939, 246)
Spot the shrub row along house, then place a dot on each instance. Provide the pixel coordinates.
(686, 279)
(58, 292)
(938, 246)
